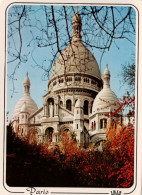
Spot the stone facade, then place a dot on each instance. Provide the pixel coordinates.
(77, 98)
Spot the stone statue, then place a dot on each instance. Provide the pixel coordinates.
(51, 109)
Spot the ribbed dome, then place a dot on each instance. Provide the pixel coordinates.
(30, 104)
(76, 58)
(106, 98)
(79, 104)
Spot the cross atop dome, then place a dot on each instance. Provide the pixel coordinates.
(77, 9)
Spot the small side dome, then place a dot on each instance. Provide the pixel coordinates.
(26, 103)
(27, 80)
(79, 104)
(106, 100)
(24, 108)
(30, 104)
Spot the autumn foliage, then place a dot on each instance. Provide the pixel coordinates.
(121, 147)
(70, 165)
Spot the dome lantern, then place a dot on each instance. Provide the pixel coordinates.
(76, 60)
(76, 25)
(27, 85)
(106, 77)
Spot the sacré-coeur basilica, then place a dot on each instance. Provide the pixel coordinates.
(78, 97)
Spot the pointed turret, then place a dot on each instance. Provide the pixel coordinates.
(79, 120)
(25, 102)
(106, 99)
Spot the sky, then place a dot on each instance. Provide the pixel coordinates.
(114, 58)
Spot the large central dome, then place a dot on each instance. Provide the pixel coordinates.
(76, 58)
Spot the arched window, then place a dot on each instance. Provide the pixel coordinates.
(93, 82)
(61, 80)
(50, 107)
(77, 78)
(86, 107)
(68, 105)
(69, 79)
(61, 103)
(86, 80)
(49, 133)
(101, 124)
(54, 83)
(105, 123)
(94, 125)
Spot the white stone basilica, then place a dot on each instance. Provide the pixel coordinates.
(77, 97)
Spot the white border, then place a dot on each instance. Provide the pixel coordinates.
(4, 4)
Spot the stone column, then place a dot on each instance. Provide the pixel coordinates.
(78, 136)
(73, 103)
(55, 109)
(45, 109)
(97, 122)
(89, 107)
(64, 102)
